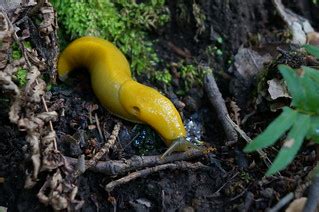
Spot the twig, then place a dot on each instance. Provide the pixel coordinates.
(284, 201)
(142, 173)
(217, 101)
(262, 154)
(238, 195)
(99, 127)
(313, 196)
(117, 167)
(233, 177)
(186, 54)
(104, 150)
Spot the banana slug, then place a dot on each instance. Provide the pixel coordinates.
(116, 90)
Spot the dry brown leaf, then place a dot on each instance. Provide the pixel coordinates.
(277, 89)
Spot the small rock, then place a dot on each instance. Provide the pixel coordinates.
(187, 209)
(268, 193)
(144, 202)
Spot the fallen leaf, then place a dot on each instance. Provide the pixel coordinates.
(277, 89)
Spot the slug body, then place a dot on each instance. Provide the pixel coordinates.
(119, 93)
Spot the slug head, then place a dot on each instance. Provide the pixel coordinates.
(152, 108)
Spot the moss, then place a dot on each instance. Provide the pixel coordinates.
(200, 19)
(16, 52)
(163, 76)
(123, 22)
(21, 77)
(27, 44)
(191, 76)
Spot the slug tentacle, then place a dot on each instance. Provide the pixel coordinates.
(119, 93)
(180, 144)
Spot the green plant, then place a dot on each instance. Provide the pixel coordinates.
(16, 52)
(188, 74)
(301, 121)
(27, 44)
(123, 22)
(191, 76)
(21, 76)
(163, 76)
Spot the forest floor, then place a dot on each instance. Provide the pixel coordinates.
(222, 178)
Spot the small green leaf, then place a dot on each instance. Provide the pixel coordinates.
(312, 73)
(311, 88)
(313, 50)
(313, 132)
(295, 88)
(292, 144)
(274, 131)
(310, 82)
(314, 172)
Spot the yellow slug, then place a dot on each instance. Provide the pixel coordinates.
(116, 90)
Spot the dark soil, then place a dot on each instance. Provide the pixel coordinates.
(235, 181)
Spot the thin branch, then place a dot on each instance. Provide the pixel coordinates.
(99, 127)
(217, 101)
(117, 167)
(104, 150)
(262, 154)
(233, 177)
(142, 173)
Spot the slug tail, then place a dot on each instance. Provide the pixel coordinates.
(64, 68)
